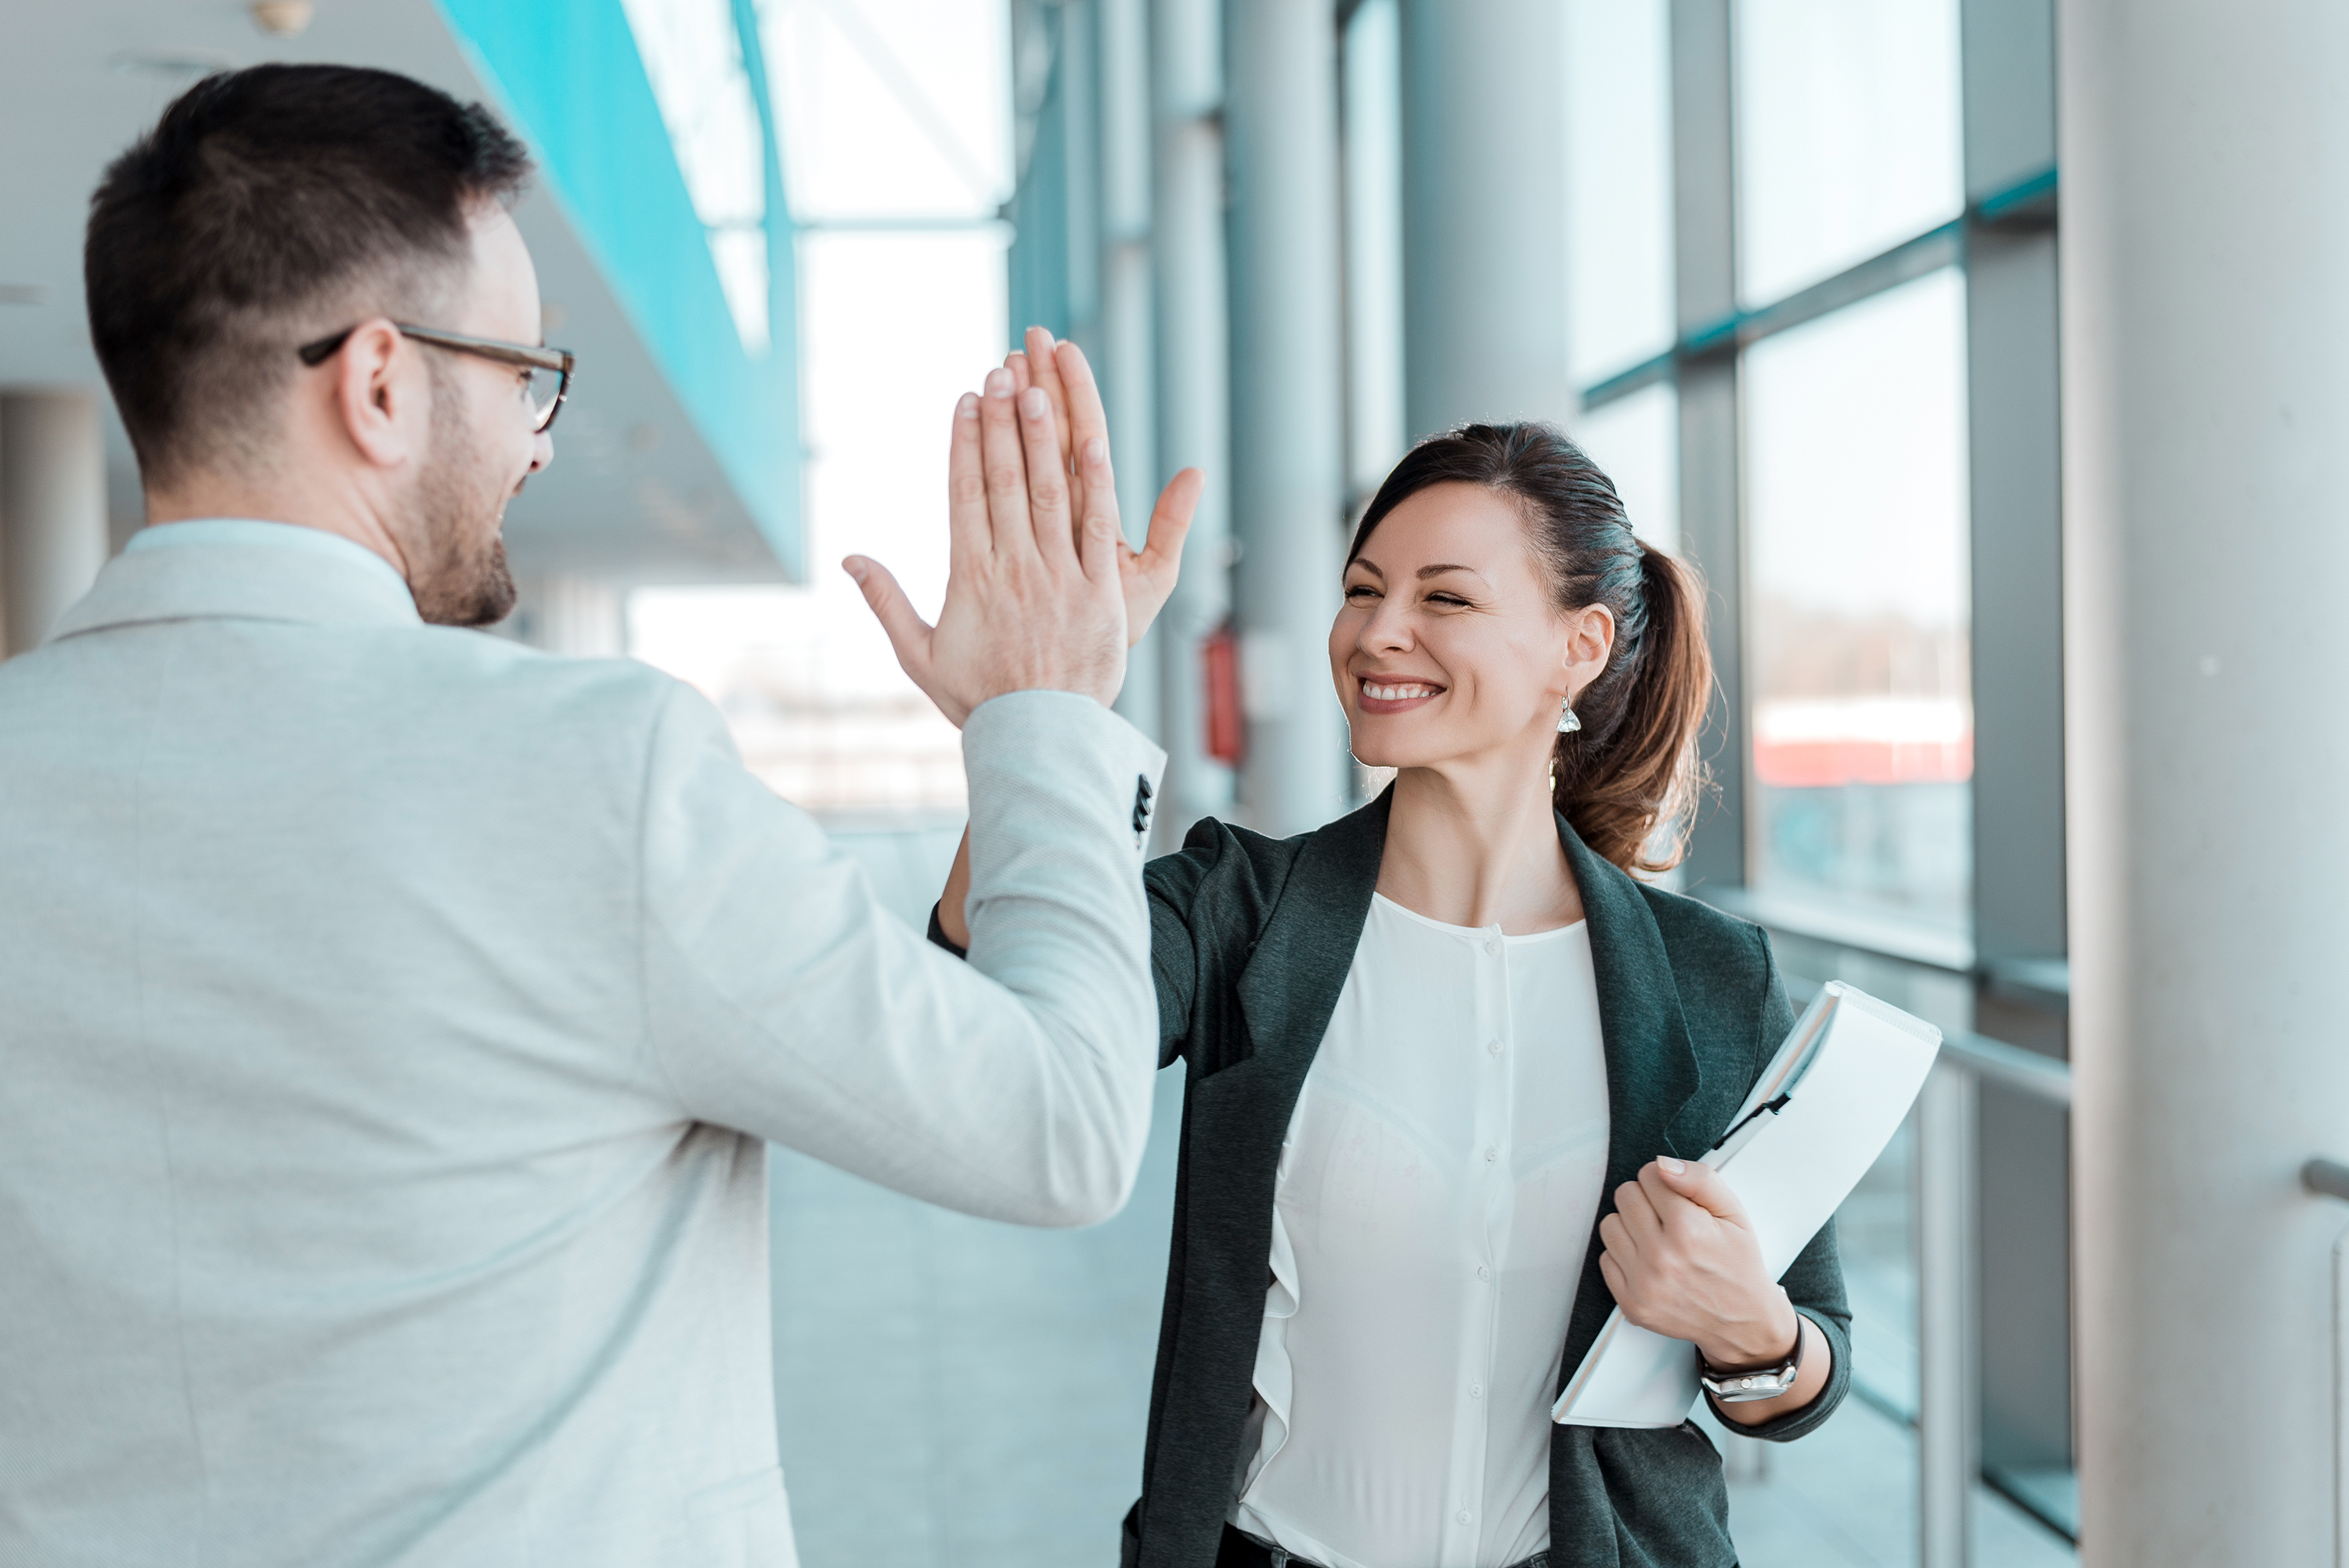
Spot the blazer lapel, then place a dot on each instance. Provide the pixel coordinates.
(1290, 985)
(1651, 1068)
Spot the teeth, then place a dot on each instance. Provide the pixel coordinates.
(1396, 693)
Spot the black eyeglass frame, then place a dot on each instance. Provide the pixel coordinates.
(531, 355)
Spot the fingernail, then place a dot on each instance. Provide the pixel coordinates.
(1096, 451)
(967, 407)
(853, 567)
(1033, 403)
(998, 383)
(1670, 1166)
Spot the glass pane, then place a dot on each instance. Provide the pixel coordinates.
(1847, 138)
(1859, 607)
(1619, 170)
(1637, 440)
(1376, 429)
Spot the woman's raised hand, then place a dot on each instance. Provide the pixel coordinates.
(1147, 576)
(1033, 599)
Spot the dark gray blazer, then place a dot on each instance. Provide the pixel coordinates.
(1251, 941)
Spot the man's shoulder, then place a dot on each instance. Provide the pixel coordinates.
(512, 682)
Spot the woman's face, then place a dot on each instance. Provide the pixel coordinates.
(1448, 645)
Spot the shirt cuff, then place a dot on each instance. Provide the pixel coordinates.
(939, 938)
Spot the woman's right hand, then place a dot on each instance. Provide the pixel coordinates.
(1147, 576)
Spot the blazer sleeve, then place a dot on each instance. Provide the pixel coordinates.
(1814, 1282)
(1173, 956)
(783, 1000)
(1183, 935)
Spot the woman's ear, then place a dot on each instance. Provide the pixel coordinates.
(1589, 638)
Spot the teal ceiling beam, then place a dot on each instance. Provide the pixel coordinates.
(569, 79)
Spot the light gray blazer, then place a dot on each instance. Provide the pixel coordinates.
(390, 1021)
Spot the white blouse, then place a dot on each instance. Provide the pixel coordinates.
(1432, 1207)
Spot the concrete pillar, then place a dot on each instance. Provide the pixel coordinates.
(1194, 386)
(2205, 414)
(52, 510)
(1288, 399)
(1483, 189)
(1128, 351)
(576, 617)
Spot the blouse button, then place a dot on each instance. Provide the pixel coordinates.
(1464, 1516)
(1492, 945)
(1491, 1153)
(1475, 1390)
(1493, 1047)
(1484, 1272)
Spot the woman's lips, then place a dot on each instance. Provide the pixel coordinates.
(1394, 696)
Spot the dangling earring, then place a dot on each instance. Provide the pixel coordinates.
(1568, 721)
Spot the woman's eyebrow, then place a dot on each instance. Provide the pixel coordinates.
(1427, 571)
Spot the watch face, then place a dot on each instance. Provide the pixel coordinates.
(1751, 1386)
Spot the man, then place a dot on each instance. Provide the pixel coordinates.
(390, 1016)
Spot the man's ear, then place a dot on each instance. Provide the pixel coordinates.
(380, 395)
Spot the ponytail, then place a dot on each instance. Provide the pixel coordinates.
(1629, 779)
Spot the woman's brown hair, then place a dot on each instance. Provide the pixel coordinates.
(1632, 767)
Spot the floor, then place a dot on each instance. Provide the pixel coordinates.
(954, 1393)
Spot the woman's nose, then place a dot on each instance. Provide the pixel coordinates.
(1387, 631)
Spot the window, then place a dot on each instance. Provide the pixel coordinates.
(1857, 607)
(1848, 134)
(1618, 184)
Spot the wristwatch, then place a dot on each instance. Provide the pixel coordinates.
(1763, 1383)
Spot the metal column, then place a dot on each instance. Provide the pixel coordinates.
(2203, 407)
(1193, 387)
(1128, 353)
(1483, 189)
(1288, 443)
(1704, 227)
(52, 510)
(1947, 1448)
(2015, 485)
(575, 617)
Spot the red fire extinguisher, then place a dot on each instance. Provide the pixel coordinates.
(1226, 734)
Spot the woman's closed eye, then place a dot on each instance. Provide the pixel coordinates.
(1361, 593)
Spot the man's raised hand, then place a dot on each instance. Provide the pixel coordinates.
(1033, 595)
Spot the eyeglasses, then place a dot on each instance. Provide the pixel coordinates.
(550, 369)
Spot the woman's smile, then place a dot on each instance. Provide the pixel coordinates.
(1392, 696)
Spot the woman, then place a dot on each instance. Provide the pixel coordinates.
(1450, 1062)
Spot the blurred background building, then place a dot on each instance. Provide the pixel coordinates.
(1789, 269)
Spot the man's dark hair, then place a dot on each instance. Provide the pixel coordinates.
(265, 205)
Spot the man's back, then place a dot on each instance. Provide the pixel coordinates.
(375, 995)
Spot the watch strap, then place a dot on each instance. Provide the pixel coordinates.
(1756, 1383)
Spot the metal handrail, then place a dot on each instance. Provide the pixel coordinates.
(2330, 1179)
(1949, 1456)
(2326, 1178)
(2012, 1067)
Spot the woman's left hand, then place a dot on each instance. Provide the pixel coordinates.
(1682, 1261)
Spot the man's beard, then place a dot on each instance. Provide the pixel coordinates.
(464, 581)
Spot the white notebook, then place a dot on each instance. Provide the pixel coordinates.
(1822, 1112)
